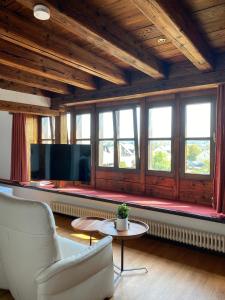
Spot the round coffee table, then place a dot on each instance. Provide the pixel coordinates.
(136, 229)
(88, 225)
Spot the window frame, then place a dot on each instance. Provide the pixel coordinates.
(104, 139)
(159, 104)
(74, 125)
(52, 139)
(115, 140)
(69, 132)
(183, 139)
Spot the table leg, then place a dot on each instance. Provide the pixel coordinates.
(121, 268)
(122, 255)
(90, 240)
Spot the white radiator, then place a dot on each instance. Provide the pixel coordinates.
(193, 237)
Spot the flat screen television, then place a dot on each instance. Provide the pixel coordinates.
(60, 162)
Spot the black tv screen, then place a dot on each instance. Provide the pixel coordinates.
(60, 162)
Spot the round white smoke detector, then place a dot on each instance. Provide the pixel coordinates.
(41, 12)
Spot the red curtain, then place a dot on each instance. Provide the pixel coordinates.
(19, 166)
(219, 179)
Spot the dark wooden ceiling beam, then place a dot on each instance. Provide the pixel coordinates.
(183, 77)
(172, 19)
(18, 87)
(11, 74)
(84, 21)
(17, 57)
(16, 30)
(15, 107)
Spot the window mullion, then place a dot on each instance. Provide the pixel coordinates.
(51, 128)
(198, 138)
(115, 134)
(106, 139)
(73, 127)
(136, 139)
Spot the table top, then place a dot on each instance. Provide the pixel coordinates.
(136, 229)
(87, 224)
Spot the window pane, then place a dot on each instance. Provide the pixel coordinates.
(53, 127)
(138, 113)
(126, 154)
(106, 154)
(125, 123)
(159, 155)
(68, 124)
(197, 157)
(160, 119)
(83, 126)
(45, 128)
(198, 120)
(85, 142)
(106, 125)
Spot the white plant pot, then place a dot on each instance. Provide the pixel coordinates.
(122, 224)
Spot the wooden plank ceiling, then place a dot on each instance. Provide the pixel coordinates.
(87, 45)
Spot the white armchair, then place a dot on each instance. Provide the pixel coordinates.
(37, 264)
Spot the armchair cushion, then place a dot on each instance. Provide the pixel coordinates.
(72, 272)
(68, 247)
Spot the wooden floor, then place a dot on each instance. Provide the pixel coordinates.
(175, 272)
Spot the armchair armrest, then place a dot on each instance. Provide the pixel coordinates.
(75, 269)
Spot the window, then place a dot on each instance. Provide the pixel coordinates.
(160, 138)
(106, 140)
(197, 138)
(47, 130)
(125, 139)
(118, 138)
(83, 129)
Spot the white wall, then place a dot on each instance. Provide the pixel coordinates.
(5, 145)
(6, 125)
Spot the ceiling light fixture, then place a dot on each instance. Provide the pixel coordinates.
(41, 12)
(161, 40)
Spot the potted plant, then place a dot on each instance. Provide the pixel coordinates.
(122, 217)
